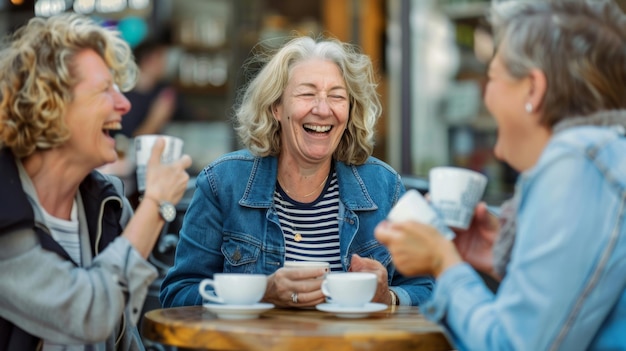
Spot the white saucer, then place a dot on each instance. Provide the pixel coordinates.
(238, 311)
(352, 312)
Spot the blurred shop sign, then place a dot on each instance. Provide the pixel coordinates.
(47, 8)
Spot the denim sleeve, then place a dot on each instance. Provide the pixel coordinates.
(198, 252)
(557, 293)
(412, 291)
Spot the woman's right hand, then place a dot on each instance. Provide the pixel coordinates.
(475, 244)
(289, 287)
(166, 182)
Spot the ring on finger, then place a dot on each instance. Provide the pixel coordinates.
(294, 297)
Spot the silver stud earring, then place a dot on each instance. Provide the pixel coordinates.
(528, 107)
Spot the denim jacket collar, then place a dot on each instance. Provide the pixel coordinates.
(262, 182)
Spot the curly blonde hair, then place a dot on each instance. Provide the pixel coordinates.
(260, 132)
(37, 77)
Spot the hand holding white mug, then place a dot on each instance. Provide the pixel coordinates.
(364, 264)
(413, 206)
(166, 181)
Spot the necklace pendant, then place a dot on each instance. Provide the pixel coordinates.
(297, 237)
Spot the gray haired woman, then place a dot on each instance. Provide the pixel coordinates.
(556, 90)
(306, 187)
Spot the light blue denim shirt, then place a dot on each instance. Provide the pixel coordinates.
(231, 225)
(566, 281)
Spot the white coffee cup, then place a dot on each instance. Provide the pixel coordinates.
(455, 192)
(412, 206)
(349, 289)
(234, 288)
(143, 149)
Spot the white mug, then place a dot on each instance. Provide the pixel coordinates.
(349, 289)
(234, 288)
(413, 206)
(455, 192)
(143, 149)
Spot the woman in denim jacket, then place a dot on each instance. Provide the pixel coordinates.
(306, 188)
(556, 89)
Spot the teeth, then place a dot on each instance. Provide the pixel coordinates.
(112, 126)
(319, 129)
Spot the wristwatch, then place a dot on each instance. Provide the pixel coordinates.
(166, 209)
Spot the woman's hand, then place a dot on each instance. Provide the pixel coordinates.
(166, 182)
(360, 264)
(291, 287)
(417, 248)
(475, 244)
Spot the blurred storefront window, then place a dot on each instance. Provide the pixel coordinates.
(440, 80)
(430, 55)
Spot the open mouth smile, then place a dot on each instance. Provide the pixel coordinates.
(317, 129)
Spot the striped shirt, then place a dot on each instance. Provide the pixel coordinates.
(311, 230)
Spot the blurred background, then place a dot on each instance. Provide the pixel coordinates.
(430, 56)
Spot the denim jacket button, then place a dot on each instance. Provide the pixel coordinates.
(236, 256)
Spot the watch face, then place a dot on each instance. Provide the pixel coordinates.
(168, 211)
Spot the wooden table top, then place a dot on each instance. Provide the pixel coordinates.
(397, 328)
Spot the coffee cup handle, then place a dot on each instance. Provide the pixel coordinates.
(326, 292)
(209, 295)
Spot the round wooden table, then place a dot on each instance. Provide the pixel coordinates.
(397, 328)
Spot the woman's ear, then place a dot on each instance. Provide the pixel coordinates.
(275, 113)
(538, 88)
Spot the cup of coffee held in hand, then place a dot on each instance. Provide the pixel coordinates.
(143, 149)
(413, 206)
(234, 288)
(349, 289)
(455, 192)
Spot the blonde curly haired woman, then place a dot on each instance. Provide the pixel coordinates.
(72, 255)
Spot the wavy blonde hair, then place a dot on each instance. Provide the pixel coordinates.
(37, 77)
(260, 132)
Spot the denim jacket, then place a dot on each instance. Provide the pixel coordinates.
(231, 225)
(565, 287)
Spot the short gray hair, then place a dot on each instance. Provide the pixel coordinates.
(579, 45)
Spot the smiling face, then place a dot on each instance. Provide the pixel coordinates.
(313, 111)
(520, 136)
(96, 108)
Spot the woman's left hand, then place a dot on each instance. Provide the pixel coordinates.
(360, 264)
(417, 248)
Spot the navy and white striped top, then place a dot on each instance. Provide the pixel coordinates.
(316, 223)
